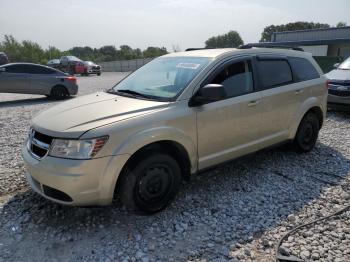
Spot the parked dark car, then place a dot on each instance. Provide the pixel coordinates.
(3, 58)
(54, 63)
(92, 68)
(339, 86)
(71, 65)
(26, 78)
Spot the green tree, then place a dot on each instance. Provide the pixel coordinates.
(28, 51)
(126, 52)
(341, 24)
(53, 53)
(267, 33)
(230, 39)
(152, 51)
(12, 48)
(107, 53)
(84, 53)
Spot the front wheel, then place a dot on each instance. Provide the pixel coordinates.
(151, 184)
(307, 133)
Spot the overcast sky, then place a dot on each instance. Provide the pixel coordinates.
(142, 23)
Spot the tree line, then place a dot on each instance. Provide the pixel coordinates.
(28, 51)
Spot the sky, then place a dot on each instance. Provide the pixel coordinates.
(143, 23)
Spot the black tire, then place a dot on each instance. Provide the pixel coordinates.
(307, 133)
(98, 74)
(59, 93)
(151, 184)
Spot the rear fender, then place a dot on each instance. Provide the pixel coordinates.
(306, 106)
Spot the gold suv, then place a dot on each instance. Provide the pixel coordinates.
(177, 115)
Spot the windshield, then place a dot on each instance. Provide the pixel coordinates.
(345, 65)
(162, 78)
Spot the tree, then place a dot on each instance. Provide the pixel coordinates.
(267, 33)
(152, 51)
(28, 51)
(341, 24)
(108, 53)
(125, 52)
(231, 39)
(11, 47)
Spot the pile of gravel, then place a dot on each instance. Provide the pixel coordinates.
(236, 212)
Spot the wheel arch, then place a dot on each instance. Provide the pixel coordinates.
(170, 147)
(310, 106)
(58, 85)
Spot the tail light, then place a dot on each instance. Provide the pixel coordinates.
(327, 84)
(71, 79)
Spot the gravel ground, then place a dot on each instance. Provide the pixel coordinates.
(235, 212)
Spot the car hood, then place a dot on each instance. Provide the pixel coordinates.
(338, 74)
(78, 115)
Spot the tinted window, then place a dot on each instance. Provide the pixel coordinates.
(303, 69)
(15, 69)
(274, 73)
(29, 69)
(236, 78)
(34, 69)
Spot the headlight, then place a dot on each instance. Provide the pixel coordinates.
(77, 149)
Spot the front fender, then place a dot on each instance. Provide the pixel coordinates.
(165, 133)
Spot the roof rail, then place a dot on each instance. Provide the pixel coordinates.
(194, 49)
(270, 45)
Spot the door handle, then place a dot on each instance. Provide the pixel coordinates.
(253, 103)
(298, 92)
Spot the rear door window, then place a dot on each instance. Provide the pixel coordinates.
(273, 73)
(35, 69)
(303, 69)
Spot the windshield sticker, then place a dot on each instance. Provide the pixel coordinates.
(188, 65)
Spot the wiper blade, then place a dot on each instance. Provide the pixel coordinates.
(132, 92)
(128, 91)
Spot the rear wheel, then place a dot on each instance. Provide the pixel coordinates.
(59, 93)
(151, 184)
(307, 133)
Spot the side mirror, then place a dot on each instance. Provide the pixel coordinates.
(208, 93)
(336, 65)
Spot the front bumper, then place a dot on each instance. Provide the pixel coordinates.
(74, 182)
(94, 71)
(338, 102)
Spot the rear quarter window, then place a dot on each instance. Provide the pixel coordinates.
(273, 73)
(303, 69)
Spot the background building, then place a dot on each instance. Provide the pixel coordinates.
(334, 42)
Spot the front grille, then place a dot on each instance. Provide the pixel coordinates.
(339, 92)
(38, 144)
(339, 82)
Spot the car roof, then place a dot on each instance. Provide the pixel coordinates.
(219, 52)
(26, 64)
(54, 69)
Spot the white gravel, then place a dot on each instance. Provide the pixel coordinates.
(238, 211)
